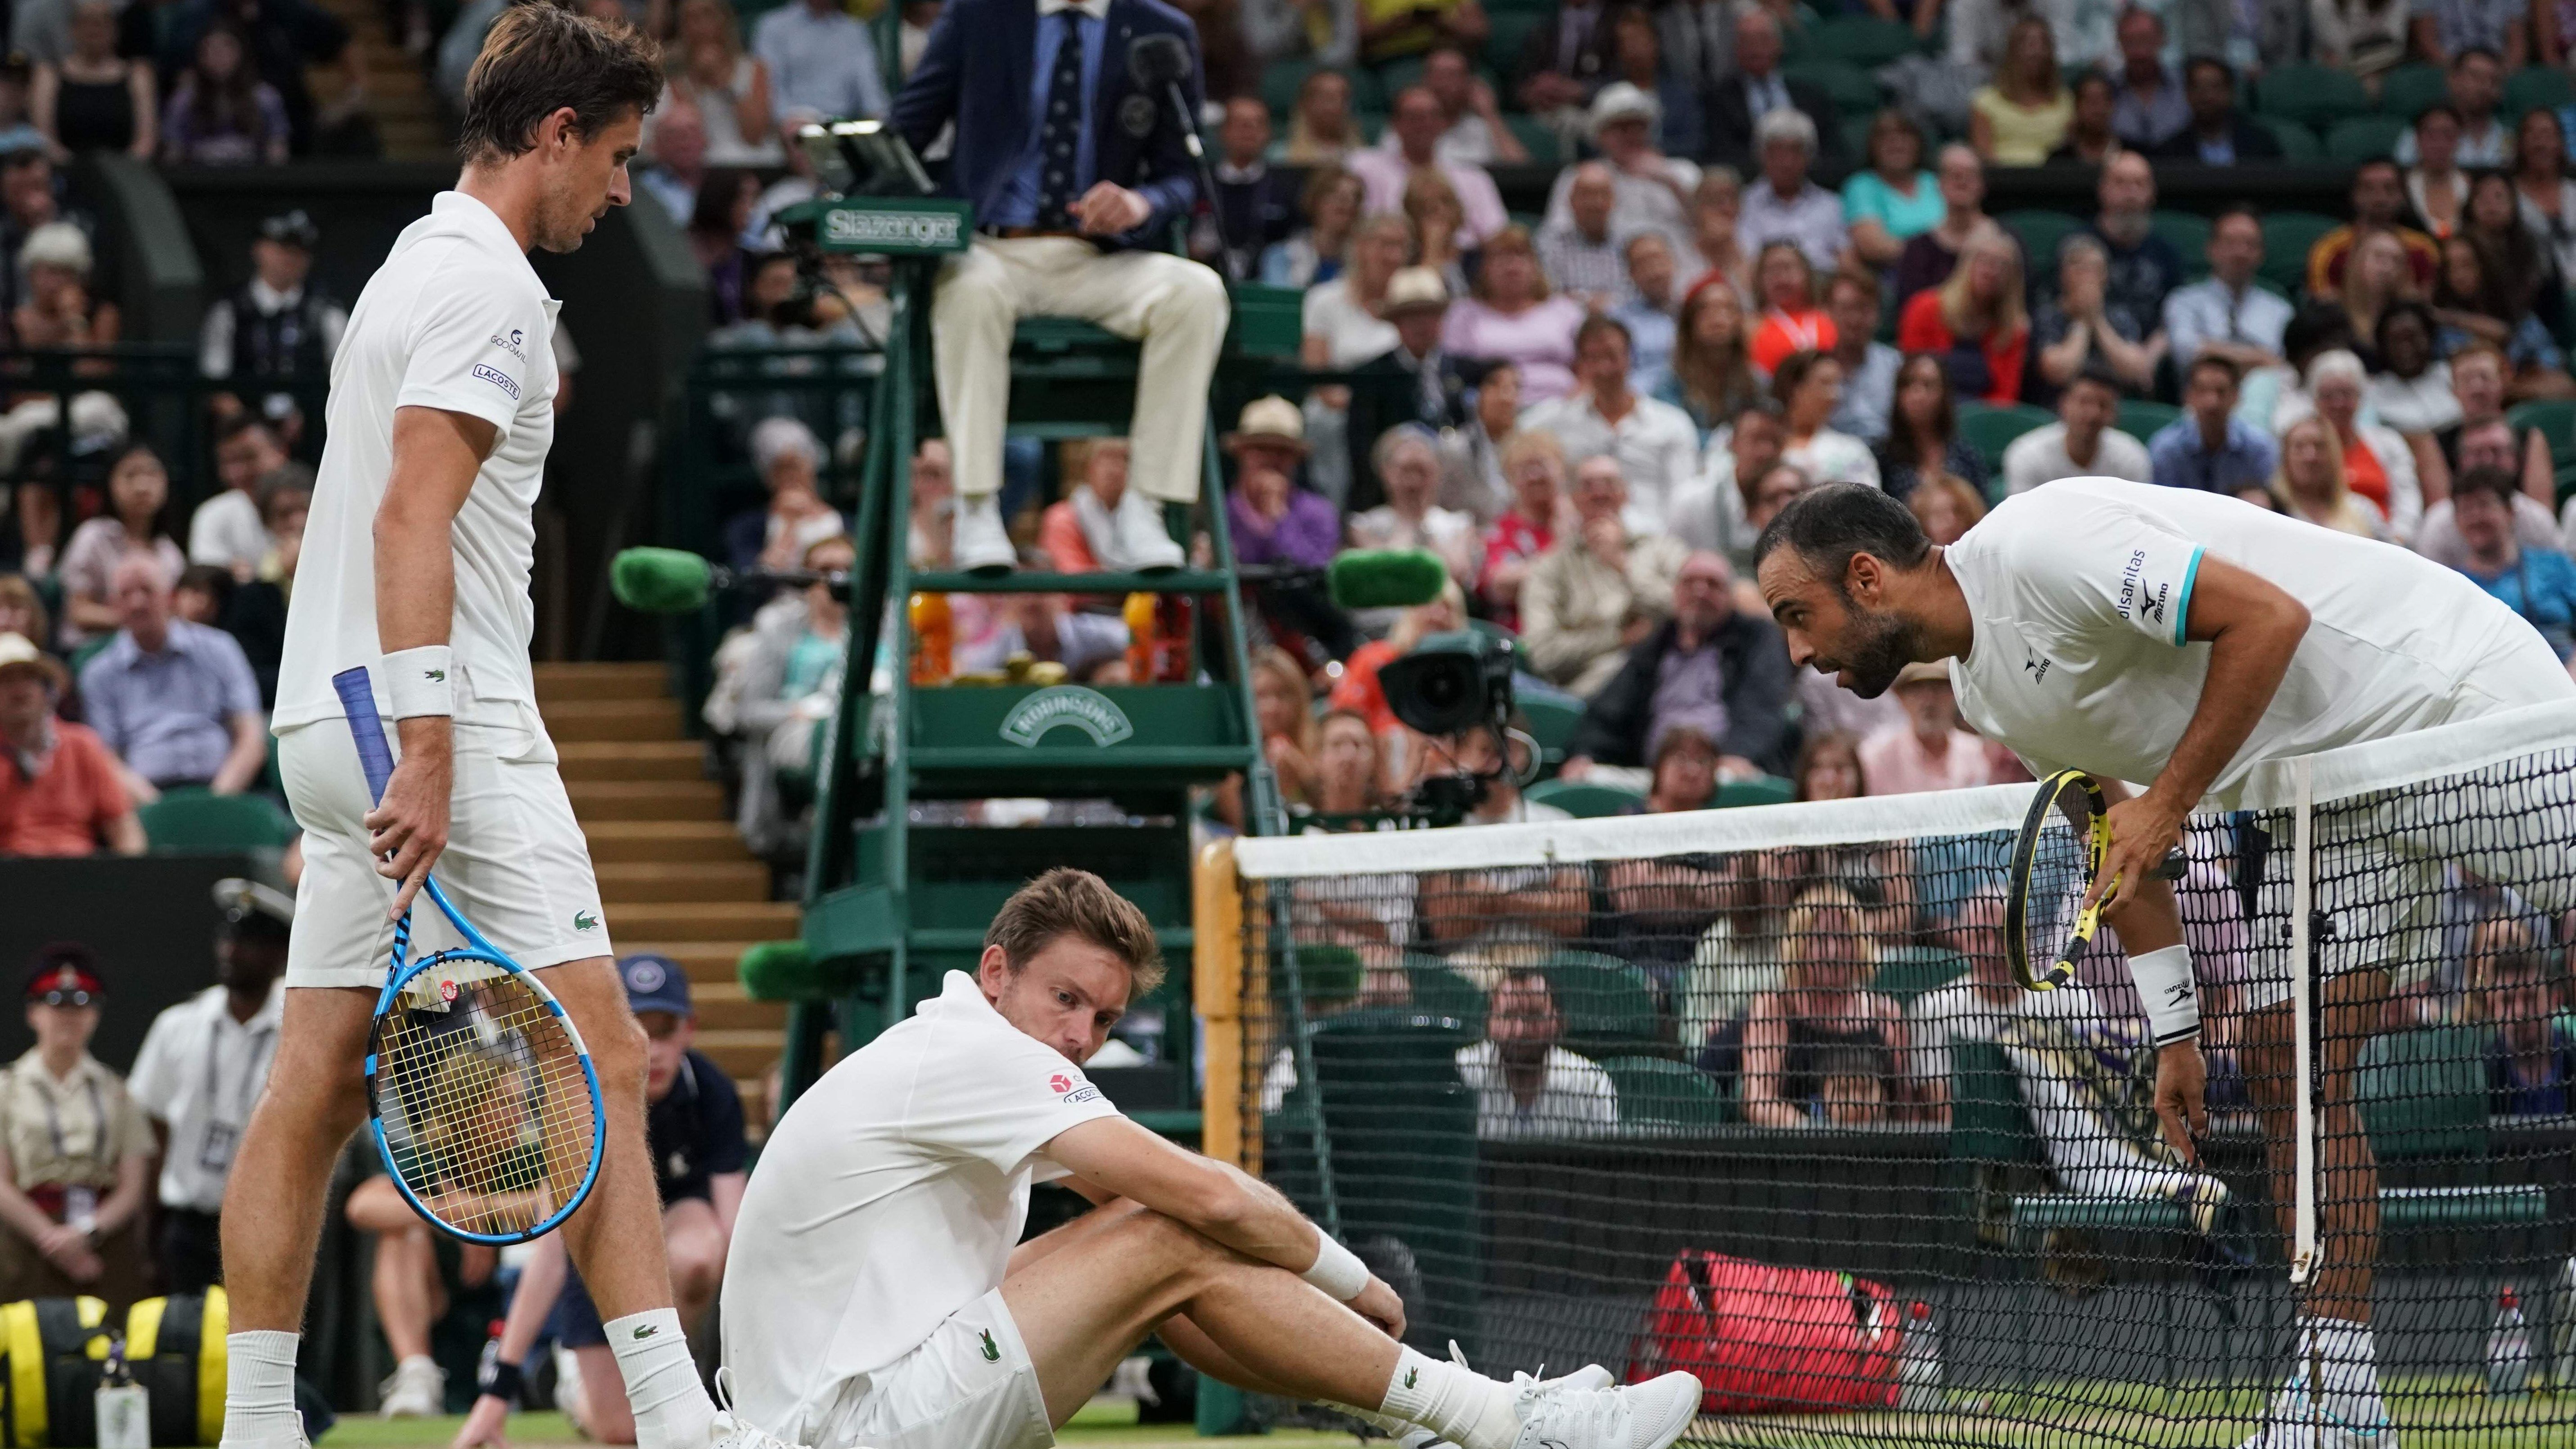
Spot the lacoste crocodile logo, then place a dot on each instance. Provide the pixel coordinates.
(992, 1350)
(1410, 1375)
(584, 921)
(434, 676)
(646, 1330)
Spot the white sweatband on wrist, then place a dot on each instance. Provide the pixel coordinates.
(2166, 990)
(1337, 1270)
(416, 681)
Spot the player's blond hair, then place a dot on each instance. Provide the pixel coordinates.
(1068, 902)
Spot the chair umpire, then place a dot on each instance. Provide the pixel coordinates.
(1077, 177)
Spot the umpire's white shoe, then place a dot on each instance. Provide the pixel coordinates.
(1650, 1415)
(981, 544)
(1142, 537)
(2294, 1420)
(416, 1389)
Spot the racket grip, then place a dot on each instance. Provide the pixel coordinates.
(375, 755)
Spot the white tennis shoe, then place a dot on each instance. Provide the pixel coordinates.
(416, 1389)
(1558, 1415)
(2294, 1420)
(730, 1432)
(1590, 1376)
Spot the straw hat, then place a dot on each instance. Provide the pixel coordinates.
(1935, 673)
(16, 652)
(1271, 422)
(1413, 289)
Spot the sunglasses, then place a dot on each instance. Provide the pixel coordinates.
(68, 998)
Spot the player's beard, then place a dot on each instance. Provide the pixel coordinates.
(1876, 648)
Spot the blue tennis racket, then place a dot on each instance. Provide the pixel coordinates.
(482, 1097)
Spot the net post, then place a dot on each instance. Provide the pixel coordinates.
(1216, 977)
(2303, 867)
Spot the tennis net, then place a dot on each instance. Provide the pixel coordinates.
(1752, 1092)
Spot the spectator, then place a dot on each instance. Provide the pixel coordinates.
(1417, 125)
(2310, 484)
(1973, 321)
(176, 701)
(1359, 691)
(2412, 391)
(28, 203)
(2080, 444)
(61, 310)
(1565, 58)
(1718, 510)
(2435, 185)
(2531, 1056)
(1824, 1050)
(200, 1071)
(1947, 506)
(2022, 115)
(226, 529)
(1808, 387)
(1929, 751)
(279, 330)
(255, 612)
(1330, 203)
(2477, 373)
(1271, 519)
(200, 595)
(1787, 205)
(1534, 466)
(1348, 764)
(676, 150)
(1344, 319)
(796, 517)
(2525, 270)
(2544, 197)
(1321, 131)
(1923, 442)
(1648, 312)
(138, 492)
(2143, 266)
(1928, 259)
(2151, 109)
(1395, 29)
(1868, 365)
(2377, 465)
(17, 132)
(819, 58)
(2488, 443)
(1681, 126)
(789, 682)
(1652, 191)
(1257, 205)
(2446, 30)
(75, 1155)
(2378, 204)
(1415, 305)
(1476, 135)
(22, 610)
(2478, 139)
(59, 791)
(2076, 328)
(1512, 318)
(2376, 281)
(2209, 448)
(1711, 669)
(1715, 250)
(1892, 200)
(1080, 534)
(715, 234)
(1828, 768)
(1471, 455)
(1793, 316)
(2537, 583)
(1600, 589)
(284, 39)
(1578, 254)
(1712, 377)
(731, 90)
(1756, 91)
(93, 99)
(1407, 462)
(1656, 444)
(2474, 300)
(2225, 315)
(1324, 31)
(1684, 776)
(2216, 135)
(2090, 141)
(1527, 1085)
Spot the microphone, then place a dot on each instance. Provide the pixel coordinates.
(1386, 578)
(675, 581)
(1157, 64)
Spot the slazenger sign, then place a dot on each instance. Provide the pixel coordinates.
(1087, 710)
(858, 228)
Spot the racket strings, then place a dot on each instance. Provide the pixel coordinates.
(2060, 873)
(485, 1105)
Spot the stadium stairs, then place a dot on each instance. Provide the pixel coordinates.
(397, 89)
(673, 873)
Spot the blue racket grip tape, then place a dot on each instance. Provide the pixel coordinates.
(375, 756)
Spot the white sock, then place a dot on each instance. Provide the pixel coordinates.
(2346, 1358)
(1464, 1407)
(672, 1410)
(1387, 1424)
(259, 1388)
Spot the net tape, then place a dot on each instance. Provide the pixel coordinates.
(1750, 1092)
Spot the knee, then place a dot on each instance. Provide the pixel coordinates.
(1194, 295)
(973, 288)
(617, 1049)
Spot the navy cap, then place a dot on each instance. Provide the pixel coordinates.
(655, 983)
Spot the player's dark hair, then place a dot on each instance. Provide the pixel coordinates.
(1067, 902)
(543, 56)
(1828, 525)
(2494, 482)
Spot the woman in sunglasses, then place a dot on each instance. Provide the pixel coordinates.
(75, 1153)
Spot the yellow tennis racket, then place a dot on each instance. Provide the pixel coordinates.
(2064, 840)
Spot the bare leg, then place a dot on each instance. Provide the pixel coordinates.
(1200, 1352)
(624, 1210)
(316, 1097)
(2348, 1186)
(610, 1421)
(407, 1291)
(695, 1246)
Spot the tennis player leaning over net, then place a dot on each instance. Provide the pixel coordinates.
(874, 1294)
(2181, 638)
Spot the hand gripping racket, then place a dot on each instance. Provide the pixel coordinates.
(482, 1097)
(2063, 841)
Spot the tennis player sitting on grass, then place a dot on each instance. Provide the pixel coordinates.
(875, 1295)
(2181, 638)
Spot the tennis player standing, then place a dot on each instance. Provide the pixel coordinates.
(416, 565)
(2182, 638)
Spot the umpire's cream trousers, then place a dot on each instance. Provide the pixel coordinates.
(1175, 306)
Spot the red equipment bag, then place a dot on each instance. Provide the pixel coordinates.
(1770, 1340)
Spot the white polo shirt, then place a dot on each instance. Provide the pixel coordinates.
(888, 1198)
(455, 319)
(2079, 591)
(199, 1074)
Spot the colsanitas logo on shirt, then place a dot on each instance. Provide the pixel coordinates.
(2128, 579)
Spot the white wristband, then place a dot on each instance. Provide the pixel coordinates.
(2166, 990)
(416, 681)
(1337, 1270)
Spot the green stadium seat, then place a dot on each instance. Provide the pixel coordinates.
(1661, 1092)
(1395, 75)
(1544, 143)
(2313, 94)
(1989, 1125)
(196, 822)
(1606, 1004)
(2298, 143)
(2407, 90)
(1507, 30)
(1586, 802)
(1856, 142)
(1851, 88)
(2140, 418)
(2556, 419)
(2423, 1094)
(1551, 722)
(1906, 972)
(2187, 232)
(2537, 87)
(2039, 231)
(2288, 237)
(1863, 40)
(1768, 790)
(1439, 991)
(1280, 80)
(1990, 429)
(2356, 139)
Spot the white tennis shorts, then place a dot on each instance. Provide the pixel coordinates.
(515, 863)
(969, 1385)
